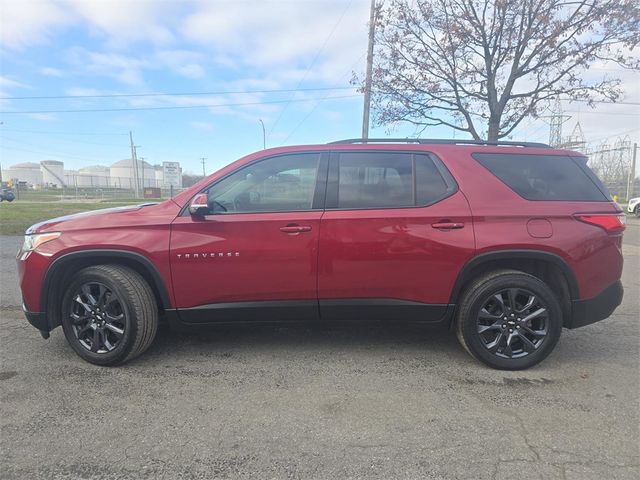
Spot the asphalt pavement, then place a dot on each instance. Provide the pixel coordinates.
(327, 403)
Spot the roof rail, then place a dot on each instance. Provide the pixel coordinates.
(439, 141)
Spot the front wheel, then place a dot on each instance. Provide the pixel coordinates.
(509, 320)
(109, 314)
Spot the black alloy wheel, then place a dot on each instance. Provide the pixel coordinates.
(97, 318)
(509, 319)
(512, 323)
(109, 314)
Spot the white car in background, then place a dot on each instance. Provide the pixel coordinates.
(634, 206)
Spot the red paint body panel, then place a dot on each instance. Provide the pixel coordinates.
(394, 253)
(141, 230)
(252, 259)
(381, 253)
(501, 217)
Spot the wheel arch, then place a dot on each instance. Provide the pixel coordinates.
(66, 265)
(549, 267)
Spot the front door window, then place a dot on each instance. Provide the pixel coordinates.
(279, 184)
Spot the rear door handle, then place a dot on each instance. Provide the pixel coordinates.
(447, 225)
(295, 228)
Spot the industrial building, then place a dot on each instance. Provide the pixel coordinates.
(120, 175)
(26, 172)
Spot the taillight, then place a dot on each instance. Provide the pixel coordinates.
(610, 223)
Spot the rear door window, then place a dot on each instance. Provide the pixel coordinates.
(545, 177)
(390, 180)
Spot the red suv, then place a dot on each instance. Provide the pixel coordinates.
(505, 242)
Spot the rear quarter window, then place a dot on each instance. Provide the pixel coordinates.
(545, 177)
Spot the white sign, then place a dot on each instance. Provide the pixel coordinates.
(171, 174)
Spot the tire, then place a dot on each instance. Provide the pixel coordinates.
(109, 314)
(498, 331)
(636, 211)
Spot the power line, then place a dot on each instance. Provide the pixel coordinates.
(599, 139)
(70, 140)
(169, 107)
(60, 133)
(313, 62)
(49, 154)
(169, 94)
(606, 102)
(315, 107)
(623, 114)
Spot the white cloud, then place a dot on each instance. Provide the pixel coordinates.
(119, 22)
(185, 63)
(130, 70)
(277, 34)
(204, 126)
(124, 69)
(604, 121)
(82, 91)
(6, 82)
(43, 117)
(28, 22)
(124, 21)
(51, 72)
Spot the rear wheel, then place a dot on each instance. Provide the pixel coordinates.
(509, 320)
(109, 314)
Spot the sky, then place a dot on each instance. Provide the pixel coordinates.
(287, 63)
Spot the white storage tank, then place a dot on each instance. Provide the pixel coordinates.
(94, 176)
(70, 177)
(159, 175)
(52, 173)
(122, 174)
(28, 172)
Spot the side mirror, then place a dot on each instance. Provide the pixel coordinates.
(199, 206)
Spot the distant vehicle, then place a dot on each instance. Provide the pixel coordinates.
(634, 206)
(7, 194)
(504, 242)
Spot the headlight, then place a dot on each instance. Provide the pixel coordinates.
(31, 242)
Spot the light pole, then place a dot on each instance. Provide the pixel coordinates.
(202, 160)
(142, 162)
(264, 135)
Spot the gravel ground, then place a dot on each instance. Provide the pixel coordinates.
(343, 403)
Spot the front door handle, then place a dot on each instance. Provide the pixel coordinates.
(294, 229)
(447, 225)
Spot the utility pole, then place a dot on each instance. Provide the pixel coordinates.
(202, 160)
(134, 164)
(367, 82)
(632, 173)
(264, 135)
(142, 162)
(1, 123)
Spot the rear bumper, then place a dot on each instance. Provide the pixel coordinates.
(591, 310)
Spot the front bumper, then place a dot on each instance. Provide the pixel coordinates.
(38, 320)
(591, 310)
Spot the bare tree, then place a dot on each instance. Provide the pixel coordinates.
(612, 163)
(482, 66)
